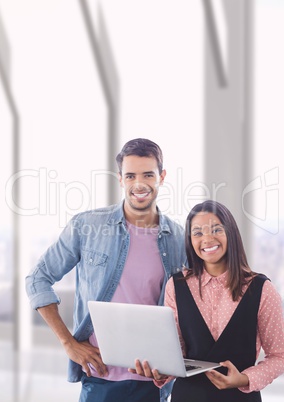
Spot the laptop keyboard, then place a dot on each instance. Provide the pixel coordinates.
(190, 367)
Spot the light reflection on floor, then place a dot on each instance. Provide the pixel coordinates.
(43, 378)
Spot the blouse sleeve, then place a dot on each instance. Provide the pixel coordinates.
(271, 339)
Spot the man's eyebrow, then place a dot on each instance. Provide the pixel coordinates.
(127, 173)
(131, 173)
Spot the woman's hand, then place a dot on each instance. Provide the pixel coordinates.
(233, 379)
(143, 369)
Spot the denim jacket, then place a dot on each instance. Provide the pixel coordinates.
(96, 242)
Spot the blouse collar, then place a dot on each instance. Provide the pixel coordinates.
(221, 279)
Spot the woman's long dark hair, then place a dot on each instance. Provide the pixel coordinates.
(239, 271)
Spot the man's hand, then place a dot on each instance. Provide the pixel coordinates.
(80, 352)
(84, 353)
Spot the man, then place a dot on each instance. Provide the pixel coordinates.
(122, 253)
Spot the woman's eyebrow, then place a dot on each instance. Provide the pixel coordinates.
(195, 227)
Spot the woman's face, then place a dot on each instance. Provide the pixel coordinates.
(209, 240)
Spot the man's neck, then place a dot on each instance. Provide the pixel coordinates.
(148, 218)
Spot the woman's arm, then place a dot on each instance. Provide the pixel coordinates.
(270, 339)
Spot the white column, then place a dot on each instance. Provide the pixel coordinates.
(228, 96)
(105, 64)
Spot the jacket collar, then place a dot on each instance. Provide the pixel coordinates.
(117, 217)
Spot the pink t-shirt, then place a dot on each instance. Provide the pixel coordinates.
(141, 283)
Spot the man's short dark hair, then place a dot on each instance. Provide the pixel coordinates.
(141, 147)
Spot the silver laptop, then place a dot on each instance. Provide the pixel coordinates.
(126, 332)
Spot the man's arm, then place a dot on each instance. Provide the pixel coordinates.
(80, 352)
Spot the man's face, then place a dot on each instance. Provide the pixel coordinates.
(140, 179)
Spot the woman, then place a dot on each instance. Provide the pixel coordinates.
(225, 312)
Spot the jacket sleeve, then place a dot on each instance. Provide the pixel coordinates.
(58, 260)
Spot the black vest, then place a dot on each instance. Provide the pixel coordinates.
(237, 343)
